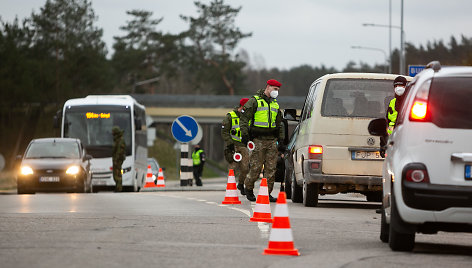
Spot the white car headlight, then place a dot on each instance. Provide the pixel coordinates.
(25, 170)
(73, 170)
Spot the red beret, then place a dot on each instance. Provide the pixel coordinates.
(274, 83)
(243, 101)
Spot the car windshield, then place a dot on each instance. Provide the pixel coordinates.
(93, 126)
(450, 102)
(154, 166)
(53, 149)
(357, 97)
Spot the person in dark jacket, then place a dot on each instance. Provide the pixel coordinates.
(198, 158)
(118, 156)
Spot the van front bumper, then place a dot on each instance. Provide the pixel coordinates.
(315, 176)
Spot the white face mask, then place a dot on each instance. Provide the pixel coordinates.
(399, 90)
(274, 94)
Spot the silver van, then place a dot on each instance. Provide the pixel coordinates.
(334, 152)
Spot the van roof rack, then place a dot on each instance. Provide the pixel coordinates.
(435, 65)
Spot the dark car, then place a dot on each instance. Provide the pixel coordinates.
(288, 166)
(154, 166)
(54, 164)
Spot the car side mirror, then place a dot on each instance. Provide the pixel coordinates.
(378, 127)
(87, 157)
(290, 114)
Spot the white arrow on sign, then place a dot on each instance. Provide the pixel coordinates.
(187, 132)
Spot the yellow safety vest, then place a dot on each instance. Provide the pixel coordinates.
(392, 116)
(196, 157)
(266, 113)
(235, 129)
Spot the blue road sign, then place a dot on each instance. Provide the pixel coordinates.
(184, 128)
(415, 69)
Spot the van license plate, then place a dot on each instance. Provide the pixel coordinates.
(364, 155)
(49, 179)
(468, 175)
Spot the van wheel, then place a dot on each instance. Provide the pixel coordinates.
(288, 185)
(310, 194)
(297, 191)
(384, 227)
(398, 240)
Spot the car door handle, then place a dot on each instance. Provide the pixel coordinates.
(464, 157)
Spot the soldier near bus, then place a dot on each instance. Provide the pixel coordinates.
(261, 122)
(231, 133)
(118, 156)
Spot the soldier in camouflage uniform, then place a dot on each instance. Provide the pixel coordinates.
(118, 156)
(231, 133)
(265, 130)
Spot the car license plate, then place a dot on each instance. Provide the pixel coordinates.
(365, 155)
(468, 175)
(49, 179)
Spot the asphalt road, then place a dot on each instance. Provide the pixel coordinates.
(193, 229)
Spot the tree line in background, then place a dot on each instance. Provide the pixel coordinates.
(58, 53)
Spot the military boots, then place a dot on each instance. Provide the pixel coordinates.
(250, 195)
(241, 188)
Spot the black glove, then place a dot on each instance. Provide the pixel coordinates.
(244, 140)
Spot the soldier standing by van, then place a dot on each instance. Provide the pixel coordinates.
(118, 156)
(231, 133)
(262, 111)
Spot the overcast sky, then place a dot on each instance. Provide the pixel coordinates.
(291, 33)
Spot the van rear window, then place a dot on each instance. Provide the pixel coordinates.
(357, 97)
(450, 102)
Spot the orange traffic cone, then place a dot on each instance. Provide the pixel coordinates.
(149, 180)
(281, 239)
(160, 179)
(231, 196)
(262, 208)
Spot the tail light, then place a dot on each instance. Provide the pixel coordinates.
(315, 151)
(417, 175)
(419, 109)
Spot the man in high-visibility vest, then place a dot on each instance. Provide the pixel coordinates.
(198, 158)
(231, 134)
(264, 129)
(399, 85)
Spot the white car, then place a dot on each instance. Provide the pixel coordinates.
(427, 180)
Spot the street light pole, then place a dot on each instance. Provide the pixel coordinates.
(376, 49)
(390, 36)
(402, 50)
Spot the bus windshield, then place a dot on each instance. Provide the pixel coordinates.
(93, 126)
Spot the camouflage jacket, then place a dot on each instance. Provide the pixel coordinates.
(247, 115)
(226, 128)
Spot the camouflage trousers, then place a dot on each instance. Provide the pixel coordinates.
(265, 153)
(241, 168)
(117, 178)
